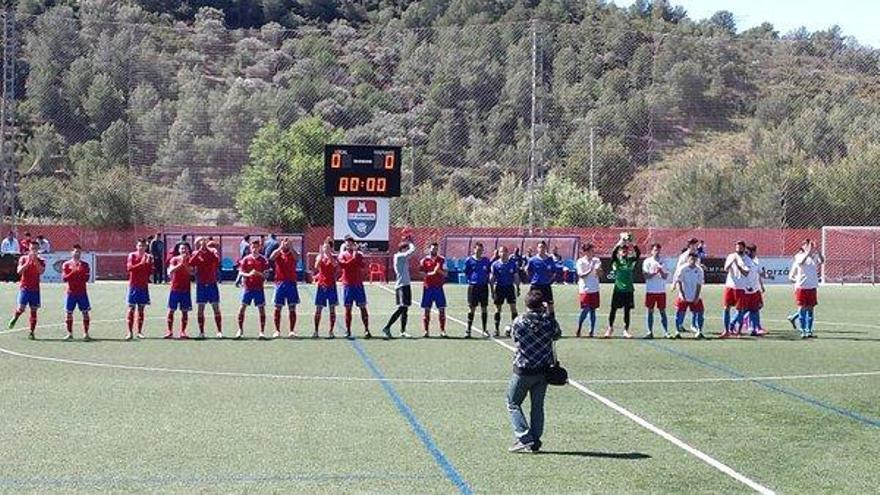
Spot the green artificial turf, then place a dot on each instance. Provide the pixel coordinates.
(429, 416)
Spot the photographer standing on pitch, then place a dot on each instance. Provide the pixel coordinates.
(533, 333)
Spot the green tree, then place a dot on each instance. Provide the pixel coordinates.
(429, 206)
(566, 205)
(283, 183)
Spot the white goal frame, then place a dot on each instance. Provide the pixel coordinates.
(874, 254)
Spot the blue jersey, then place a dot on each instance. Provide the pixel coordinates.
(504, 271)
(477, 270)
(542, 271)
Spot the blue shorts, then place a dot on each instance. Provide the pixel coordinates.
(81, 301)
(207, 294)
(180, 300)
(29, 298)
(138, 296)
(435, 296)
(326, 296)
(256, 297)
(354, 294)
(286, 294)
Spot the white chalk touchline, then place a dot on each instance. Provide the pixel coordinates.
(645, 424)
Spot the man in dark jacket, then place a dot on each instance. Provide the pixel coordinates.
(533, 333)
(157, 251)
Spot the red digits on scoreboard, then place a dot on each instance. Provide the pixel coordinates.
(343, 184)
(389, 162)
(371, 184)
(355, 184)
(335, 160)
(381, 184)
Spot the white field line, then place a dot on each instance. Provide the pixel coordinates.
(645, 424)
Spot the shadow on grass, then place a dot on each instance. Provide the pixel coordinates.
(630, 456)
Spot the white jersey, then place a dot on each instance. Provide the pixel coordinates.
(689, 277)
(656, 284)
(753, 279)
(588, 279)
(683, 258)
(805, 271)
(735, 277)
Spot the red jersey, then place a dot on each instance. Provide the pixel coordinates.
(139, 267)
(428, 264)
(352, 265)
(180, 278)
(30, 277)
(76, 274)
(285, 266)
(326, 276)
(256, 262)
(207, 264)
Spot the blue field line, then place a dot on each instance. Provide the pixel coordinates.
(420, 431)
(159, 480)
(866, 420)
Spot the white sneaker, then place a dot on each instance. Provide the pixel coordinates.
(291, 335)
(219, 335)
(140, 335)
(261, 335)
(405, 335)
(239, 333)
(276, 334)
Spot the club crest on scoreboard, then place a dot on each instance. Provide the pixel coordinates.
(361, 215)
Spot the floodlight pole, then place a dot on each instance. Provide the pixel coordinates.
(7, 117)
(532, 167)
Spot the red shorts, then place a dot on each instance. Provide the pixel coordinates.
(589, 300)
(731, 295)
(658, 300)
(806, 297)
(749, 302)
(694, 306)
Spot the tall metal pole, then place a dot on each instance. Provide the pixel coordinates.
(592, 137)
(532, 166)
(7, 117)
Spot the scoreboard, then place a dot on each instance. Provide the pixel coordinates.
(361, 171)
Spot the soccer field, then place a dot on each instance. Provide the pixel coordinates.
(429, 416)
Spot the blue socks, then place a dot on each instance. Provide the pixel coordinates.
(650, 321)
(810, 321)
(664, 321)
(803, 316)
(679, 320)
(583, 317)
(755, 320)
(726, 319)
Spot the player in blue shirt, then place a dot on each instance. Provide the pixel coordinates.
(541, 270)
(504, 283)
(476, 269)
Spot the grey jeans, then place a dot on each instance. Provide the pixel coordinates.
(536, 387)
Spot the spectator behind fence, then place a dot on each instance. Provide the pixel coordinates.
(182, 242)
(43, 245)
(10, 244)
(157, 251)
(25, 243)
(533, 333)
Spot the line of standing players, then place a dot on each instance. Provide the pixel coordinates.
(497, 279)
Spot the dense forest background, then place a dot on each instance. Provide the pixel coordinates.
(216, 112)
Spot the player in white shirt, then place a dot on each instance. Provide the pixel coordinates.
(655, 291)
(589, 269)
(691, 247)
(750, 304)
(734, 286)
(689, 280)
(805, 275)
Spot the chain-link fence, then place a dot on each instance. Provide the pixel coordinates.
(125, 119)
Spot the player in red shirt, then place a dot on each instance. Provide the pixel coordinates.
(434, 267)
(30, 267)
(351, 261)
(206, 261)
(140, 266)
(252, 269)
(179, 270)
(76, 273)
(286, 293)
(326, 295)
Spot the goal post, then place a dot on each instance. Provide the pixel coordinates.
(851, 254)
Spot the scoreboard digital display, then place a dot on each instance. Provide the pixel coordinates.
(362, 171)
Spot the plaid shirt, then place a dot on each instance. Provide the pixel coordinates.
(534, 334)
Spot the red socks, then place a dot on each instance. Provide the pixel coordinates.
(317, 320)
(262, 320)
(442, 321)
(200, 319)
(277, 319)
(86, 323)
(130, 319)
(426, 322)
(292, 319)
(140, 320)
(241, 319)
(218, 320)
(332, 320)
(365, 318)
(348, 318)
(170, 320)
(69, 322)
(33, 320)
(184, 319)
